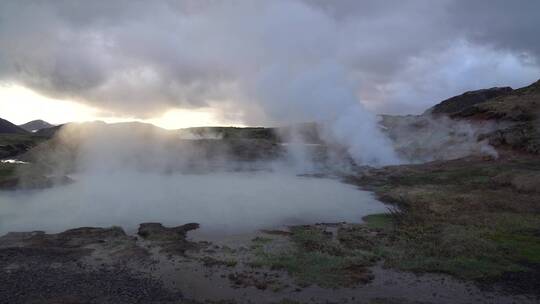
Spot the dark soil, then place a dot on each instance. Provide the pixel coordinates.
(72, 285)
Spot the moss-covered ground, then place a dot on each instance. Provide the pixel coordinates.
(473, 219)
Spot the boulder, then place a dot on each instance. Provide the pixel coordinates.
(171, 240)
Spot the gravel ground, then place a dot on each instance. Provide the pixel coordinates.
(49, 285)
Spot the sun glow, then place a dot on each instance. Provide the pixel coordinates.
(20, 105)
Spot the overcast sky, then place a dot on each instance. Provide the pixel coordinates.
(265, 61)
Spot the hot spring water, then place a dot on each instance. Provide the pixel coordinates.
(224, 202)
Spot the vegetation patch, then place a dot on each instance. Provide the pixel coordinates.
(314, 257)
(471, 219)
(212, 262)
(382, 221)
(458, 250)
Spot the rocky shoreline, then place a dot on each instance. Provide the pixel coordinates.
(323, 263)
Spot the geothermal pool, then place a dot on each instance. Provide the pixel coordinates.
(220, 202)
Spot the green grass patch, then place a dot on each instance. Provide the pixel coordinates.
(313, 257)
(469, 251)
(382, 221)
(523, 248)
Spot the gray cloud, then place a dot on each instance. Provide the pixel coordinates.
(509, 25)
(139, 58)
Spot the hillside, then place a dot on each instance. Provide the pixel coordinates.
(519, 105)
(517, 116)
(456, 104)
(470, 123)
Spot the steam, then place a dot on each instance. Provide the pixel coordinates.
(426, 138)
(128, 173)
(322, 93)
(125, 174)
(264, 62)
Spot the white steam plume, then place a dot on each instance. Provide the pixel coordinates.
(263, 62)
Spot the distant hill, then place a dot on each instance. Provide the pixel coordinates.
(7, 127)
(112, 127)
(458, 103)
(36, 125)
(15, 140)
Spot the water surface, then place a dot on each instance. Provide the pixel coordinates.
(220, 202)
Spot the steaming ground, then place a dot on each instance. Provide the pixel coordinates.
(220, 202)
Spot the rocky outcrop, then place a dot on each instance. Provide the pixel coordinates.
(171, 240)
(156, 231)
